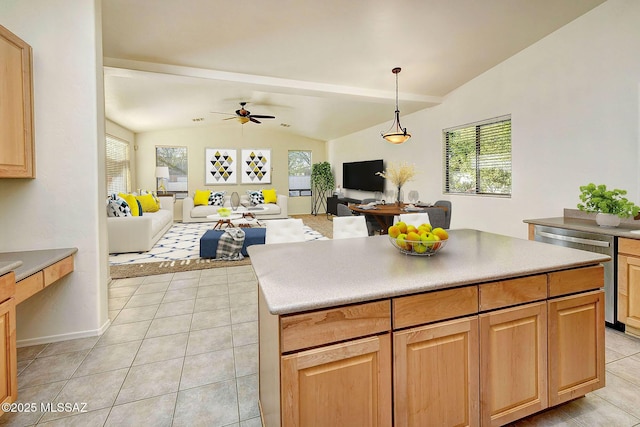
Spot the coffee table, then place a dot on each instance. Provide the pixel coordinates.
(224, 220)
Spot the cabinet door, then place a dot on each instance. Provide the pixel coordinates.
(576, 346)
(346, 384)
(513, 363)
(629, 291)
(436, 375)
(8, 363)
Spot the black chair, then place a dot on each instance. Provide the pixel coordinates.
(447, 213)
(343, 210)
(372, 224)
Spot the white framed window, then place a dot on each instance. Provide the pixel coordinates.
(118, 165)
(477, 158)
(176, 159)
(299, 173)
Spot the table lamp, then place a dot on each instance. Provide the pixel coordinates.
(162, 173)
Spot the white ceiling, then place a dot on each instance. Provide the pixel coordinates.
(323, 68)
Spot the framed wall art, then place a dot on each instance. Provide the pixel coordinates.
(256, 166)
(220, 166)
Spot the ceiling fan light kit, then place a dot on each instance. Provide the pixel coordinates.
(396, 133)
(244, 116)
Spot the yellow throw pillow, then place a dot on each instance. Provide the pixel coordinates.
(132, 202)
(201, 197)
(148, 203)
(270, 196)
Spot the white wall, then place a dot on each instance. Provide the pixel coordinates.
(197, 139)
(573, 98)
(64, 205)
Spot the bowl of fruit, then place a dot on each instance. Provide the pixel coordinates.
(422, 240)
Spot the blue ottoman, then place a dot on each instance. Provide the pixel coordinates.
(209, 241)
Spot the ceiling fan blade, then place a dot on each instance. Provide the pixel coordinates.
(262, 117)
(231, 118)
(226, 114)
(254, 120)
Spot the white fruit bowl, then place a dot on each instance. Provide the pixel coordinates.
(419, 248)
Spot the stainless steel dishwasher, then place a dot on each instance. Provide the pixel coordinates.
(592, 242)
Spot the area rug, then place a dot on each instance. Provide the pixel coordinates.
(178, 250)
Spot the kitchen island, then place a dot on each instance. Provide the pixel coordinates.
(488, 331)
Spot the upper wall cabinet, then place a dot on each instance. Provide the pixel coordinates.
(16, 108)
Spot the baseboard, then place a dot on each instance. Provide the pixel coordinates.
(64, 337)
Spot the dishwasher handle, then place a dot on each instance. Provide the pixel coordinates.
(571, 239)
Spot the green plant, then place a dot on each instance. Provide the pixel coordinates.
(596, 198)
(321, 177)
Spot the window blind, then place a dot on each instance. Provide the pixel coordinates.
(477, 158)
(118, 172)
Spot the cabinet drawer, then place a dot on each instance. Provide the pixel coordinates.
(58, 270)
(576, 280)
(511, 292)
(7, 286)
(316, 328)
(629, 246)
(29, 286)
(434, 306)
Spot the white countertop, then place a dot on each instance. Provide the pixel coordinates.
(26, 263)
(297, 277)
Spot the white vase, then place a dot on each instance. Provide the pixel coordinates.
(607, 220)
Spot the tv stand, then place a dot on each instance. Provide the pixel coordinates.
(333, 201)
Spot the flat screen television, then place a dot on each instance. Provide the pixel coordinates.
(362, 175)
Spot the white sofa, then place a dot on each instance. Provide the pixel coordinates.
(139, 233)
(191, 213)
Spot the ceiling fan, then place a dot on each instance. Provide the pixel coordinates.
(244, 116)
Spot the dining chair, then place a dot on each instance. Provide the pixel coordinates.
(343, 210)
(447, 214)
(345, 227)
(284, 231)
(415, 218)
(372, 225)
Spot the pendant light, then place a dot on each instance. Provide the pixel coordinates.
(396, 133)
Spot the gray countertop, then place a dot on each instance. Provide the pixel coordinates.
(629, 230)
(26, 263)
(305, 276)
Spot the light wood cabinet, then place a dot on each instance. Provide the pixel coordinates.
(576, 341)
(629, 284)
(16, 108)
(513, 363)
(8, 354)
(347, 384)
(436, 374)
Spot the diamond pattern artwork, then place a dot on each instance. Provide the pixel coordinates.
(220, 166)
(256, 166)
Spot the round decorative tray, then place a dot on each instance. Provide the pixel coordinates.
(419, 248)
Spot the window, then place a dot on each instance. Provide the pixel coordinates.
(477, 158)
(176, 159)
(118, 172)
(299, 173)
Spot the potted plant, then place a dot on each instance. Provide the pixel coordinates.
(322, 182)
(609, 205)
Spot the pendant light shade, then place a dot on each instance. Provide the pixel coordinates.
(396, 133)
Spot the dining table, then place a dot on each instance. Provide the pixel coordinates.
(384, 213)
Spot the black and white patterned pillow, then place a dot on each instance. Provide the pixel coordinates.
(117, 207)
(216, 198)
(255, 197)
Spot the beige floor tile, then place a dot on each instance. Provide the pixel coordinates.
(117, 334)
(248, 397)
(207, 340)
(89, 419)
(211, 303)
(592, 410)
(142, 300)
(243, 299)
(51, 369)
(36, 394)
(151, 288)
(210, 319)
(627, 368)
(155, 411)
(150, 380)
(69, 346)
(213, 281)
(207, 368)
(169, 325)
(243, 314)
(253, 422)
(118, 303)
(244, 333)
(211, 272)
(25, 353)
(180, 295)
(130, 315)
(108, 358)
(92, 393)
(212, 291)
(621, 342)
(161, 348)
(246, 359)
(158, 278)
(125, 291)
(621, 393)
(182, 275)
(240, 287)
(183, 283)
(131, 281)
(175, 308)
(211, 405)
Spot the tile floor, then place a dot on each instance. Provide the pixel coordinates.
(182, 351)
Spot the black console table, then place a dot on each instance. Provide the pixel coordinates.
(333, 201)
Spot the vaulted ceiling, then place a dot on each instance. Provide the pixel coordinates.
(323, 69)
